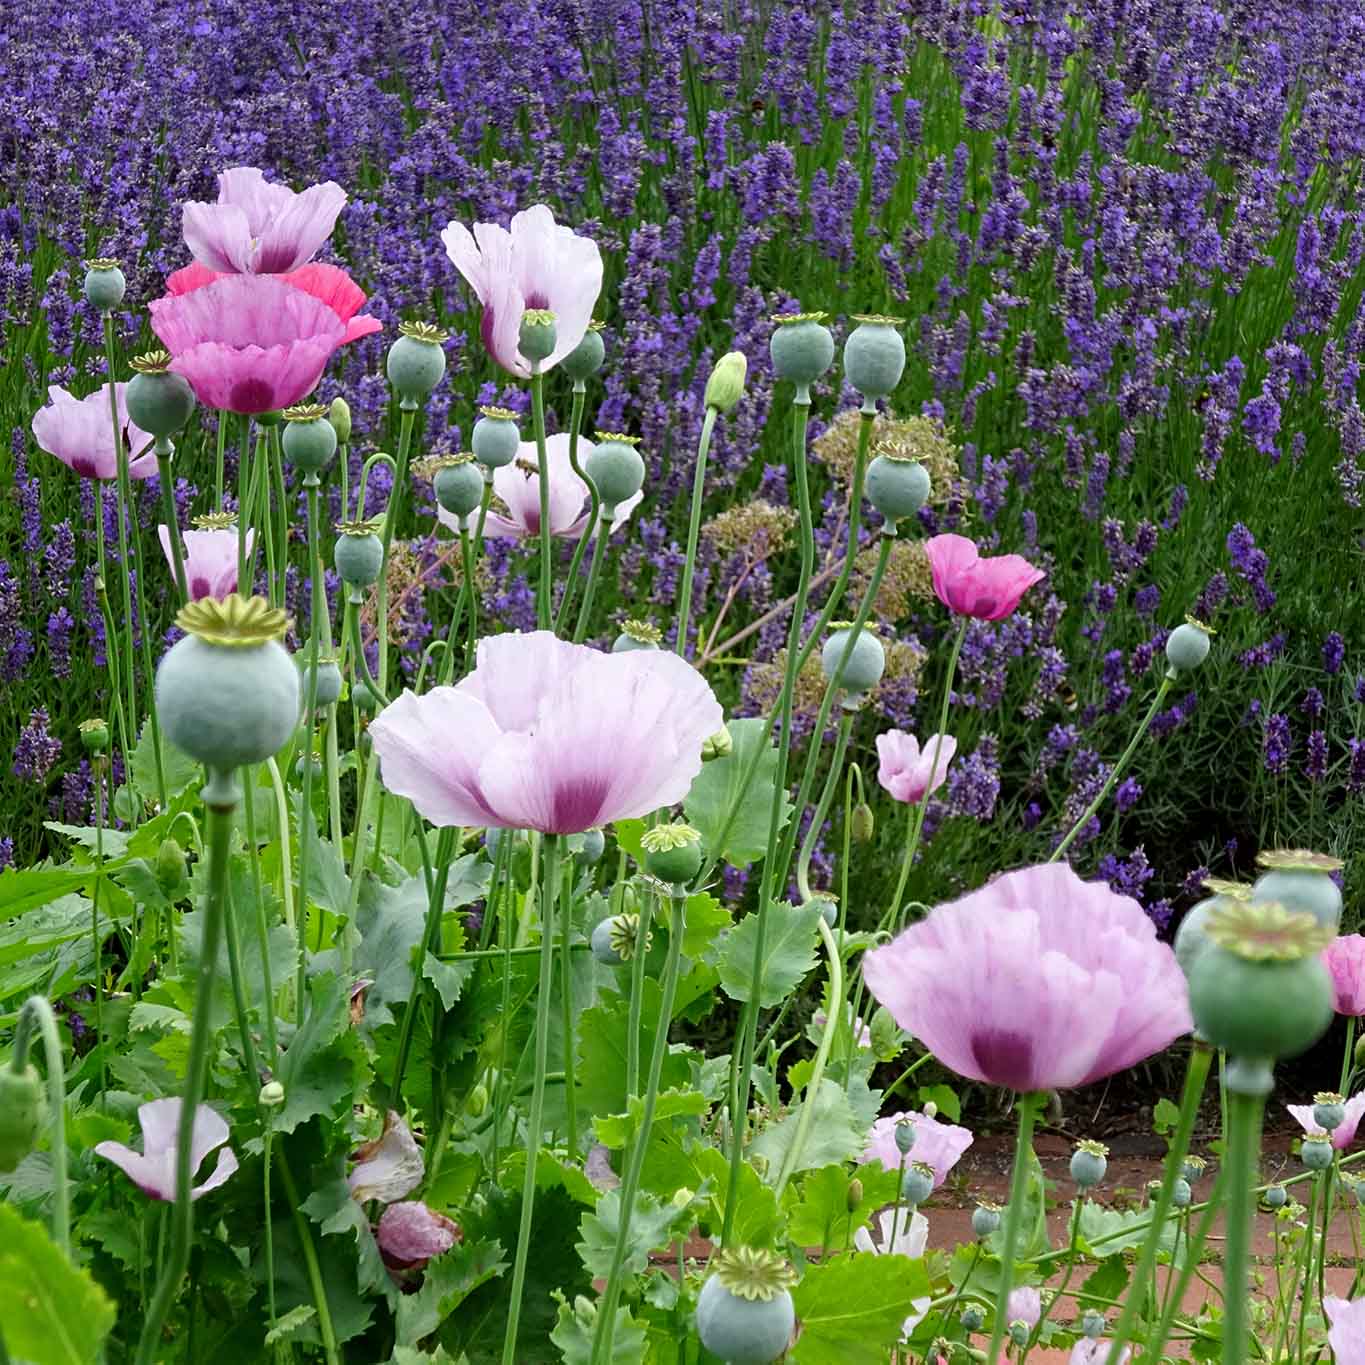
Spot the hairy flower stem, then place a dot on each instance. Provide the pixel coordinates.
(164, 450)
(599, 549)
(37, 1011)
(280, 524)
(262, 921)
(817, 819)
(98, 764)
(407, 416)
(111, 636)
(543, 618)
(637, 987)
(1028, 1105)
(1117, 771)
(566, 994)
(245, 487)
(220, 447)
(125, 504)
(694, 529)
(1243, 1147)
(580, 390)
(549, 885)
(221, 794)
(605, 1328)
(1196, 1074)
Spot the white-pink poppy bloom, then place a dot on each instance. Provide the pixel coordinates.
(939, 1145)
(389, 1167)
(152, 1169)
(1344, 1134)
(906, 770)
(518, 485)
(536, 263)
(1345, 959)
(1095, 1351)
(257, 228)
(910, 1239)
(1024, 1305)
(1346, 1329)
(78, 431)
(550, 736)
(210, 560)
(410, 1234)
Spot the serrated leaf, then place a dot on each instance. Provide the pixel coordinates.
(737, 835)
(30, 888)
(822, 1218)
(318, 1069)
(286, 1326)
(146, 1016)
(1113, 1230)
(834, 1135)
(574, 1337)
(178, 768)
(706, 917)
(391, 920)
(852, 1308)
(602, 1051)
(50, 1312)
(651, 1226)
(448, 977)
(788, 954)
(446, 1283)
(335, 1211)
(115, 841)
(616, 1130)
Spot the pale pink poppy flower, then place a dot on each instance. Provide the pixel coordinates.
(518, 485)
(390, 1166)
(1038, 981)
(911, 1236)
(1344, 958)
(965, 581)
(1344, 1134)
(862, 1035)
(210, 560)
(258, 228)
(906, 770)
(246, 343)
(936, 1144)
(410, 1234)
(328, 284)
(153, 1168)
(549, 736)
(1346, 1331)
(534, 264)
(79, 433)
(1095, 1351)
(1024, 1305)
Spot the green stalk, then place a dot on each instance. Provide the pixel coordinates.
(637, 987)
(543, 483)
(245, 486)
(1014, 1217)
(550, 883)
(566, 1005)
(238, 981)
(1244, 1143)
(95, 942)
(125, 502)
(221, 446)
(580, 390)
(262, 925)
(111, 639)
(221, 794)
(694, 528)
(38, 1011)
(164, 450)
(310, 1261)
(594, 569)
(407, 416)
(836, 765)
(280, 524)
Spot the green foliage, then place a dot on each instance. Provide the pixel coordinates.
(789, 952)
(852, 1308)
(652, 1224)
(835, 1135)
(602, 1050)
(573, 1334)
(446, 1283)
(822, 1217)
(322, 1068)
(733, 831)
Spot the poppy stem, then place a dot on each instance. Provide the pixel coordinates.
(38, 1011)
(580, 390)
(177, 548)
(1245, 1113)
(693, 530)
(1014, 1216)
(543, 484)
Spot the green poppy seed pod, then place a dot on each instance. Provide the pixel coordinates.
(1020, 1332)
(105, 287)
(538, 334)
(1193, 1168)
(616, 470)
(359, 558)
(170, 866)
(744, 1331)
(985, 1220)
(864, 823)
(973, 1319)
(94, 735)
(496, 438)
(303, 763)
(1187, 646)
(363, 697)
(416, 361)
(865, 665)
(1316, 1152)
(802, 349)
(328, 683)
(1181, 1194)
(586, 358)
(339, 415)
(1329, 1111)
(1274, 1196)
(1092, 1324)
(897, 488)
(1300, 880)
(594, 845)
(158, 401)
(1089, 1162)
(309, 439)
(673, 853)
(855, 1195)
(459, 487)
(905, 1136)
(1191, 938)
(725, 387)
(917, 1184)
(22, 1111)
(636, 635)
(227, 694)
(829, 912)
(271, 1095)
(603, 948)
(874, 355)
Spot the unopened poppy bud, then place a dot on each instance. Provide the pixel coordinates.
(339, 415)
(863, 824)
(94, 735)
(1092, 1324)
(855, 1194)
(104, 284)
(725, 387)
(586, 358)
(271, 1096)
(918, 1183)
(972, 1318)
(538, 334)
(930, 1109)
(477, 1101)
(1181, 1194)
(829, 912)
(22, 1110)
(718, 745)
(594, 845)
(170, 866)
(1019, 1332)
(1359, 1053)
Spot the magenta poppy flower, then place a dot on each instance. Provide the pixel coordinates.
(986, 587)
(410, 1234)
(79, 433)
(210, 560)
(248, 344)
(537, 263)
(257, 228)
(936, 1144)
(1346, 1329)
(1344, 958)
(1025, 1305)
(1038, 981)
(906, 770)
(328, 284)
(518, 485)
(549, 736)
(153, 1168)
(390, 1166)
(1344, 1134)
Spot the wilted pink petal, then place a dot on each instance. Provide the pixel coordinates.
(906, 770)
(1346, 1334)
(1345, 960)
(1024, 1305)
(534, 264)
(210, 560)
(598, 1169)
(410, 1234)
(936, 1144)
(1038, 981)
(1095, 1351)
(1344, 1134)
(153, 1169)
(965, 582)
(390, 1166)
(79, 432)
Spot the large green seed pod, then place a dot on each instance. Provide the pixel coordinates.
(616, 469)
(416, 361)
(158, 401)
(1300, 879)
(745, 1313)
(874, 355)
(310, 439)
(897, 487)
(802, 348)
(672, 853)
(496, 438)
(105, 286)
(865, 665)
(458, 484)
(359, 554)
(586, 358)
(1187, 646)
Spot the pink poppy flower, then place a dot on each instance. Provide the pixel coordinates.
(936, 1144)
(328, 284)
(390, 1166)
(518, 485)
(257, 228)
(1344, 1134)
(901, 1235)
(534, 264)
(549, 736)
(78, 432)
(1344, 958)
(986, 587)
(1038, 981)
(1024, 1305)
(1346, 1331)
(210, 560)
(906, 770)
(410, 1234)
(153, 1168)
(248, 344)
(1095, 1351)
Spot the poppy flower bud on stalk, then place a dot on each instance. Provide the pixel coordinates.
(725, 387)
(94, 735)
(339, 415)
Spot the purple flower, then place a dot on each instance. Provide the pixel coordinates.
(1333, 653)
(36, 750)
(1315, 766)
(1277, 743)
